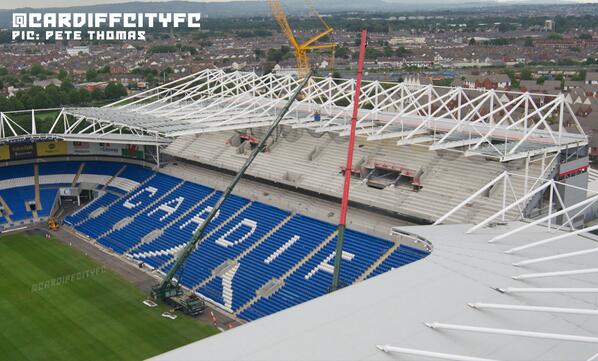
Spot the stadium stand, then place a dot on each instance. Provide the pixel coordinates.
(254, 259)
(445, 178)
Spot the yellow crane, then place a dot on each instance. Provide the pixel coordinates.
(301, 50)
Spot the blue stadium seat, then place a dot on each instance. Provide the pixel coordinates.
(16, 199)
(59, 168)
(245, 246)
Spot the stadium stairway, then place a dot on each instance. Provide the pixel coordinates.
(124, 223)
(103, 199)
(7, 210)
(38, 202)
(165, 266)
(253, 246)
(378, 262)
(288, 274)
(131, 249)
(120, 171)
(160, 250)
(401, 256)
(99, 211)
(79, 171)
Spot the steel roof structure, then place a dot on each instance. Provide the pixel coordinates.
(82, 128)
(500, 124)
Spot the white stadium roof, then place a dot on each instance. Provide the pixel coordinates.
(444, 305)
(499, 124)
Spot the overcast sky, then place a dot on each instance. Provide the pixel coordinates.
(8, 4)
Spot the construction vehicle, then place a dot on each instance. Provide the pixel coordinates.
(190, 305)
(52, 224)
(301, 50)
(169, 290)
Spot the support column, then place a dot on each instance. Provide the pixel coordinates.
(348, 169)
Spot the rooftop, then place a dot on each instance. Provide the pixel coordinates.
(453, 292)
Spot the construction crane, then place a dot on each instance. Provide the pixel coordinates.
(301, 50)
(170, 291)
(52, 224)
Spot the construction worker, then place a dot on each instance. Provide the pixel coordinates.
(317, 117)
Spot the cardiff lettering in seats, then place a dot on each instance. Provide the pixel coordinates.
(128, 204)
(198, 220)
(245, 222)
(282, 249)
(168, 208)
(326, 266)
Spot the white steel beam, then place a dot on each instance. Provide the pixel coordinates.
(471, 197)
(555, 257)
(437, 355)
(508, 332)
(544, 219)
(573, 311)
(547, 290)
(556, 274)
(552, 239)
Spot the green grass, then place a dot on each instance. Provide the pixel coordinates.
(97, 318)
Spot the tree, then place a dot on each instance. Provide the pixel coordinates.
(526, 74)
(388, 51)
(555, 36)
(63, 74)
(91, 75)
(504, 27)
(276, 55)
(472, 42)
(258, 53)
(166, 72)
(54, 96)
(585, 36)
(4, 104)
(83, 96)
(529, 42)
(115, 91)
(104, 70)
(36, 69)
(403, 52)
(580, 76)
(15, 104)
(372, 53)
(97, 94)
(66, 86)
(5, 37)
(25, 78)
(342, 52)
(74, 96)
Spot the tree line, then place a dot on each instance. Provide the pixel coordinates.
(58, 96)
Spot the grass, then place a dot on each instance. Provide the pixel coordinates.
(100, 317)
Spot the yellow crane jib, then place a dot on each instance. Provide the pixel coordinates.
(301, 50)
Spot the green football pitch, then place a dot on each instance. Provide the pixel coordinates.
(57, 304)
